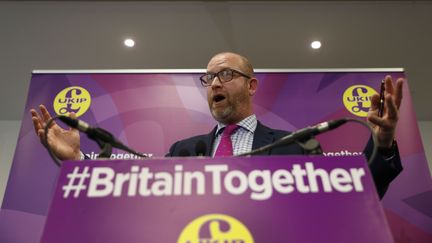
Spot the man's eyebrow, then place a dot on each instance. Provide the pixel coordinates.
(225, 68)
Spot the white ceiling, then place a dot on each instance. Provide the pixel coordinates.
(88, 35)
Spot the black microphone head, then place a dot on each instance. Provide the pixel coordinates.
(69, 121)
(200, 148)
(184, 153)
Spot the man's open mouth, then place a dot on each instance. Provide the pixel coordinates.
(218, 98)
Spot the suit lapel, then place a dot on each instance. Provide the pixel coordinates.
(262, 136)
(209, 139)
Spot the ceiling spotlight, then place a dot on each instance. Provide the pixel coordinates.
(316, 44)
(129, 42)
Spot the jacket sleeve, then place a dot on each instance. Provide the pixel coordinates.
(385, 167)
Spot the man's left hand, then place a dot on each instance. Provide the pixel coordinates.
(385, 126)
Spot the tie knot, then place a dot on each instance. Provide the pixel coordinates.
(225, 147)
(230, 129)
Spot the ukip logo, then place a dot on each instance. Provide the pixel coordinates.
(357, 99)
(72, 99)
(215, 228)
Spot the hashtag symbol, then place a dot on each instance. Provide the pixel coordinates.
(76, 182)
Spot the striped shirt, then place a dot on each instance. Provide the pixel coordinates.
(242, 138)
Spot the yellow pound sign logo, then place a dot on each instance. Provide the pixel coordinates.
(73, 99)
(215, 228)
(357, 99)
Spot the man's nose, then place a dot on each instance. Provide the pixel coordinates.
(215, 82)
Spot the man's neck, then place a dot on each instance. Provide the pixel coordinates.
(221, 125)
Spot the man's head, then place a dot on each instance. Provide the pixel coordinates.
(230, 101)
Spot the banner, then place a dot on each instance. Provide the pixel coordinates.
(150, 110)
(238, 199)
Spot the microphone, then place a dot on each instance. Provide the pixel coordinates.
(93, 133)
(97, 134)
(200, 148)
(303, 133)
(315, 130)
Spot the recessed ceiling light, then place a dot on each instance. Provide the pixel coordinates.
(316, 44)
(129, 42)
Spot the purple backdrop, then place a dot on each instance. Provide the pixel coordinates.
(150, 111)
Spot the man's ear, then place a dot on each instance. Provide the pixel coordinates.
(253, 86)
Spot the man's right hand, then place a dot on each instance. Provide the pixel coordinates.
(65, 144)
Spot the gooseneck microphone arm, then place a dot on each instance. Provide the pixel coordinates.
(299, 135)
(310, 132)
(97, 134)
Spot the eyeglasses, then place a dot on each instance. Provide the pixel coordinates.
(224, 76)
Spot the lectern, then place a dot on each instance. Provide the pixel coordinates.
(228, 199)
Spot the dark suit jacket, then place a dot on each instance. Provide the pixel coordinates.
(383, 172)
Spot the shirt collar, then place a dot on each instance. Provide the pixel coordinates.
(249, 123)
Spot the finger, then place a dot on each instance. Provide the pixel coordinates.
(375, 99)
(392, 111)
(41, 135)
(389, 85)
(36, 124)
(373, 111)
(46, 115)
(73, 115)
(35, 114)
(398, 92)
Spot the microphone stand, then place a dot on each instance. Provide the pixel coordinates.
(311, 146)
(106, 149)
(105, 139)
(105, 144)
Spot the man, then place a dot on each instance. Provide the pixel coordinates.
(231, 86)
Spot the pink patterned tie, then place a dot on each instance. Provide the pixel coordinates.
(225, 147)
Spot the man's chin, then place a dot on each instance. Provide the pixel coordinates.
(222, 116)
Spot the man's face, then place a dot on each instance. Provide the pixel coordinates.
(229, 102)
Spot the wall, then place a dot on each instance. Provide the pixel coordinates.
(8, 138)
(426, 134)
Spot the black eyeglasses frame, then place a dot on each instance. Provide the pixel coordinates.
(213, 75)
